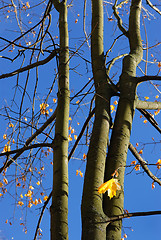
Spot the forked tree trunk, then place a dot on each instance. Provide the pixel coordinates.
(117, 154)
(93, 218)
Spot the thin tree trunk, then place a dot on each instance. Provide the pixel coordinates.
(93, 218)
(59, 207)
(117, 154)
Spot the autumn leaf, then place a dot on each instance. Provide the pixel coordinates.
(45, 198)
(137, 167)
(75, 137)
(112, 108)
(159, 164)
(157, 112)
(27, 4)
(38, 183)
(111, 187)
(141, 151)
(146, 98)
(4, 136)
(133, 162)
(84, 156)
(70, 138)
(159, 64)
(153, 186)
(20, 203)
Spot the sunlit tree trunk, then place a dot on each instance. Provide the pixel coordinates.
(59, 207)
(117, 154)
(93, 218)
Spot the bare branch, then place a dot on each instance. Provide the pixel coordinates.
(153, 7)
(135, 214)
(37, 145)
(143, 164)
(150, 119)
(81, 133)
(148, 105)
(33, 65)
(41, 215)
(147, 78)
(29, 140)
(119, 20)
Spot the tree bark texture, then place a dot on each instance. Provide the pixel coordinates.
(59, 207)
(93, 218)
(117, 154)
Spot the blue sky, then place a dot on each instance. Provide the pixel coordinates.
(139, 195)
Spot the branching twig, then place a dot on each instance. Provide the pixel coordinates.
(36, 64)
(143, 164)
(150, 119)
(153, 7)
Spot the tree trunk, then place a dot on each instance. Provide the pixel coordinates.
(93, 218)
(59, 207)
(117, 154)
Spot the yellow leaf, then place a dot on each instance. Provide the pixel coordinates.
(75, 137)
(45, 198)
(141, 151)
(77, 172)
(115, 102)
(36, 202)
(153, 186)
(5, 180)
(133, 162)
(27, 4)
(80, 173)
(84, 156)
(159, 164)
(21, 196)
(4, 136)
(77, 102)
(20, 203)
(112, 108)
(146, 98)
(137, 167)
(145, 121)
(70, 118)
(6, 148)
(110, 186)
(70, 138)
(72, 131)
(157, 112)
(159, 64)
(1, 194)
(157, 96)
(54, 100)
(1, 184)
(38, 183)
(11, 125)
